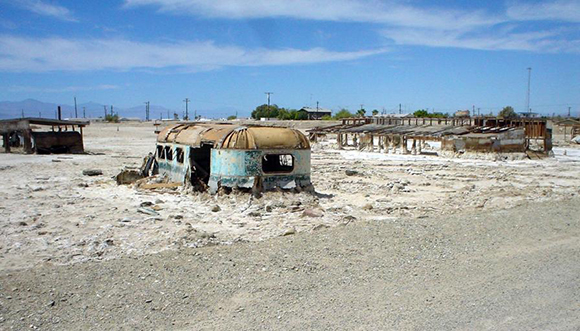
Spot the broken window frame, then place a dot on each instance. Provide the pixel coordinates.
(280, 167)
(160, 152)
(179, 155)
(168, 153)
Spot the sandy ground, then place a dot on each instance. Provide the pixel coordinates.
(514, 269)
(53, 214)
(401, 242)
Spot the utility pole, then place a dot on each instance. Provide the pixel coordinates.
(399, 108)
(528, 97)
(39, 115)
(186, 108)
(569, 108)
(84, 112)
(268, 94)
(22, 113)
(473, 110)
(112, 111)
(195, 114)
(317, 105)
(76, 113)
(105, 111)
(147, 111)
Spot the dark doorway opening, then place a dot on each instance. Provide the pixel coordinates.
(199, 158)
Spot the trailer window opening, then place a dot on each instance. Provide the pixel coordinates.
(274, 163)
(160, 152)
(168, 153)
(179, 154)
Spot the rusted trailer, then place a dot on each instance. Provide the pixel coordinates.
(214, 156)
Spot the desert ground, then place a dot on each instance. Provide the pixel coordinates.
(387, 241)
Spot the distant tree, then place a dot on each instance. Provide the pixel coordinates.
(424, 113)
(326, 118)
(508, 112)
(112, 118)
(232, 117)
(301, 115)
(265, 111)
(421, 113)
(375, 112)
(361, 112)
(343, 113)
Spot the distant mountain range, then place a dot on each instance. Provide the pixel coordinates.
(35, 108)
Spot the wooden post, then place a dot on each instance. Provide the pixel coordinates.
(27, 135)
(6, 137)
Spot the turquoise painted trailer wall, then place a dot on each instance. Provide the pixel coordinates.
(242, 168)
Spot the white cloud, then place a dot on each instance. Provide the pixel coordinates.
(559, 10)
(59, 54)
(540, 41)
(46, 9)
(19, 88)
(405, 23)
(370, 11)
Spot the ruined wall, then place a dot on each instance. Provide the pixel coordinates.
(512, 141)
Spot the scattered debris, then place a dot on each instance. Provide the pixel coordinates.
(128, 176)
(148, 211)
(92, 172)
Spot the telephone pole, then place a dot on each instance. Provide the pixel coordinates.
(105, 111)
(84, 112)
(399, 108)
(569, 108)
(76, 113)
(268, 93)
(528, 97)
(316, 105)
(147, 111)
(186, 108)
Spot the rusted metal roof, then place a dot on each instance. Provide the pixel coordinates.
(228, 136)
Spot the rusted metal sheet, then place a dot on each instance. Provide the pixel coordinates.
(58, 142)
(265, 138)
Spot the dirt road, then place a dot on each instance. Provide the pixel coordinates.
(515, 269)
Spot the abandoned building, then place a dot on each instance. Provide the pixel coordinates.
(230, 156)
(315, 113)
(463, 134)
(42, 136)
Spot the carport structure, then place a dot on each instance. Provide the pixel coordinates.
(43, 136)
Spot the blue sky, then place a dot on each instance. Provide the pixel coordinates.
(223, 55)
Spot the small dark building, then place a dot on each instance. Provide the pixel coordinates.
(316, 113)
(42, 136)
